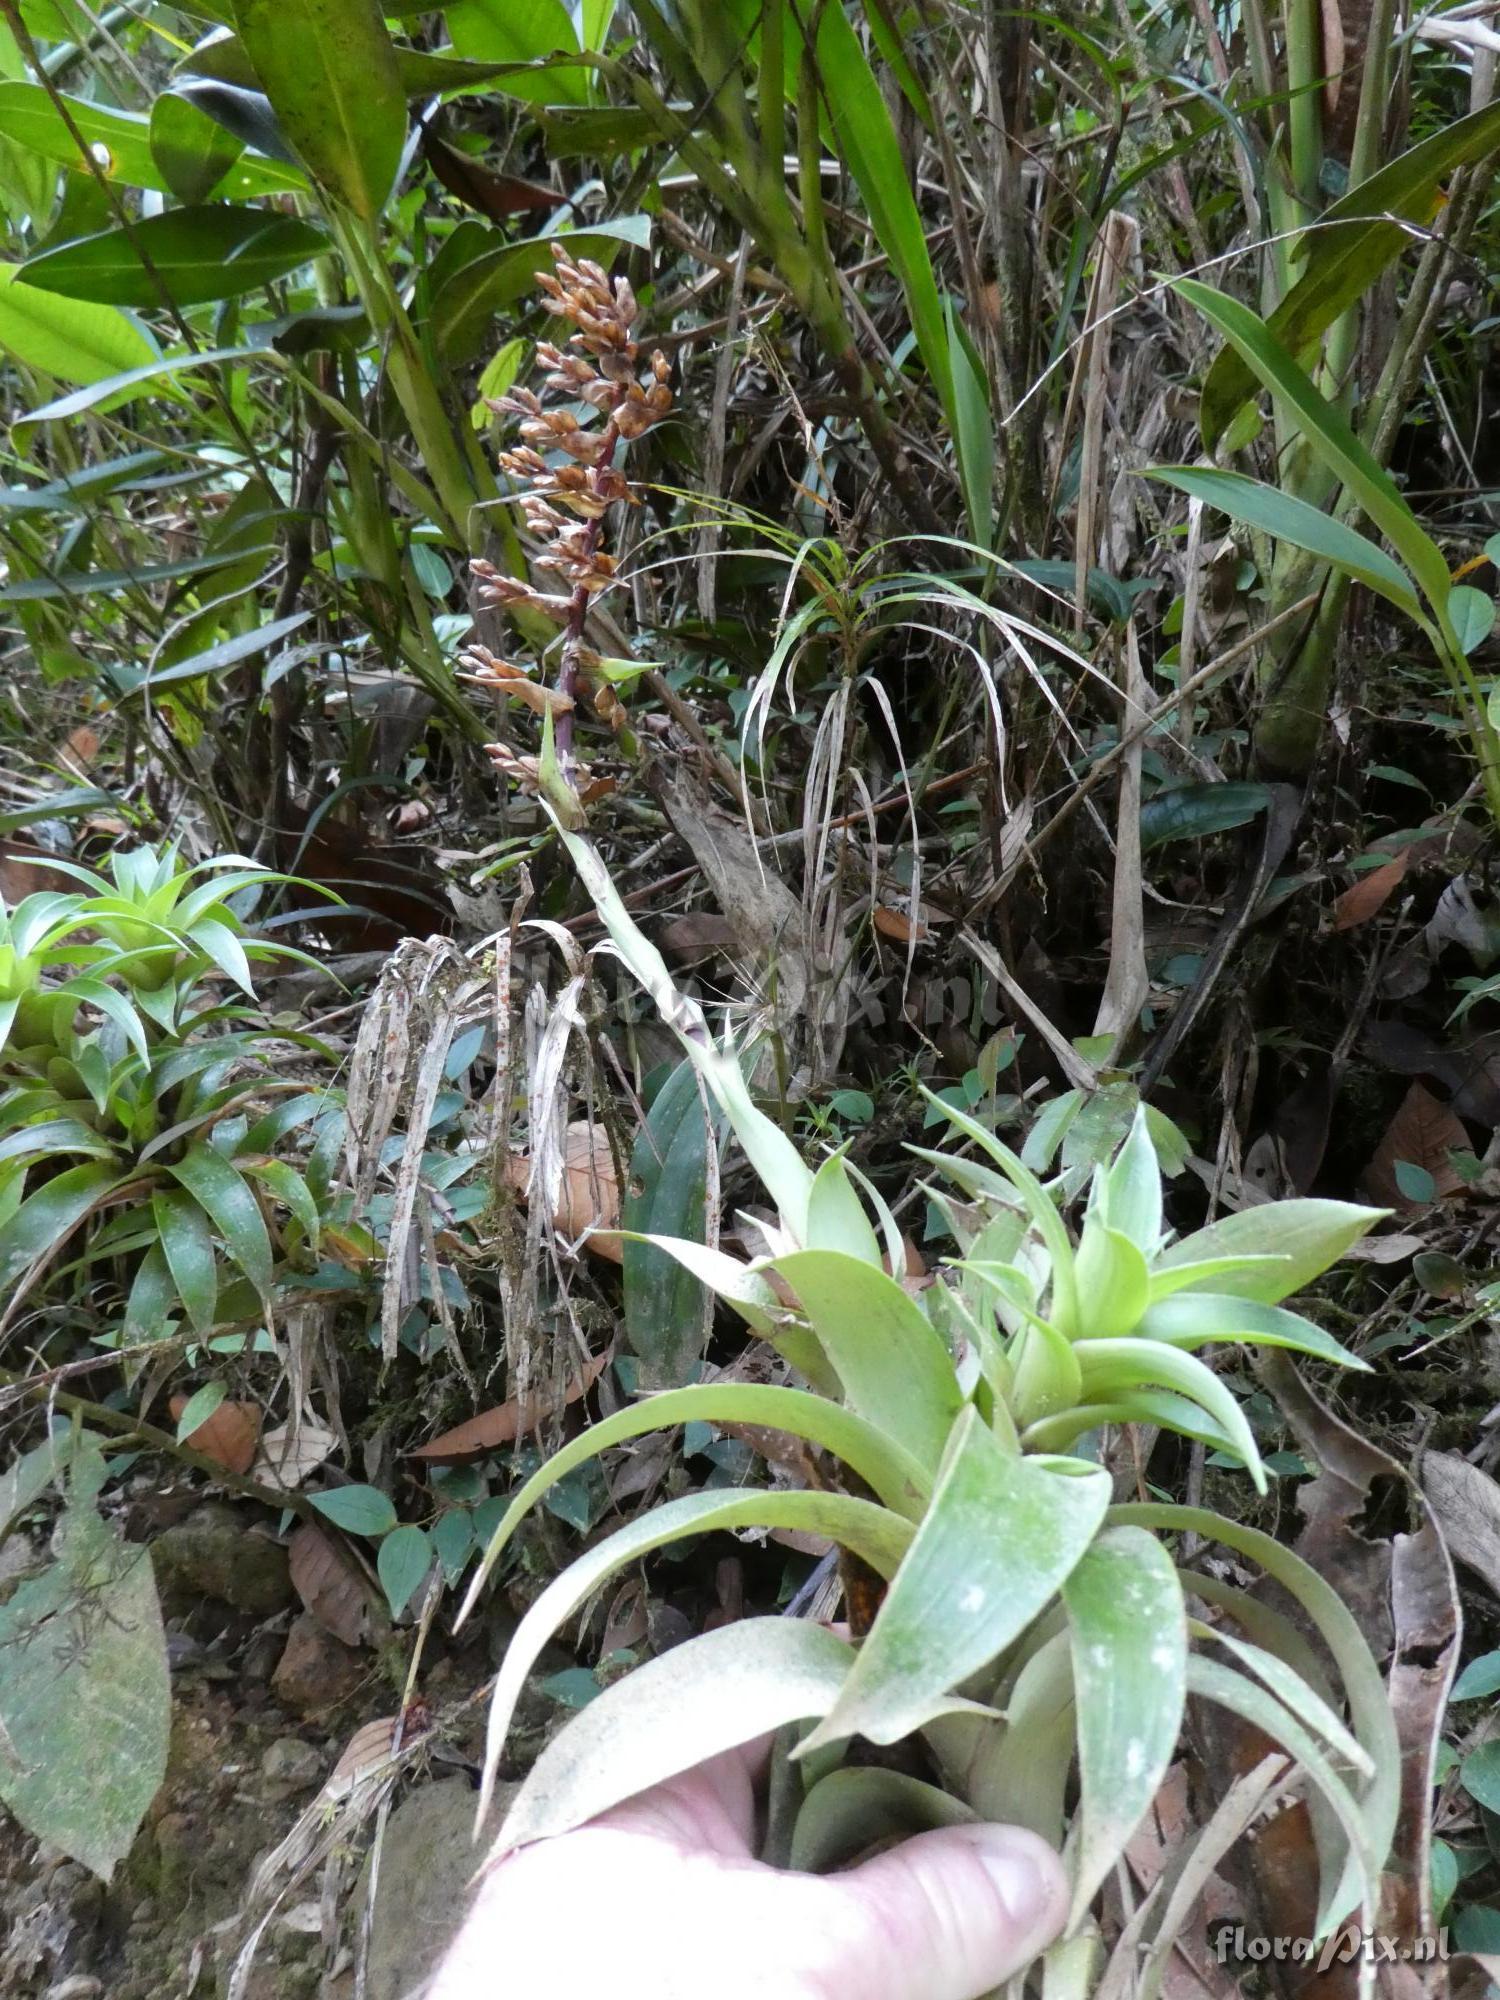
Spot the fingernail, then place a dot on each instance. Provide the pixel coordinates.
(1028, 1879)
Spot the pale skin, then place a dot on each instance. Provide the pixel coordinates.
(662, 1899)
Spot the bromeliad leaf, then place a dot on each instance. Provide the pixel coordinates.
(998, 1539)
(1110, 1366)
(223, 1195)
(895, 1370)
(892, 1474)
(716, 1692)
(873, 1533)
(1305, 1237)
(1192, 1318)
(1129, 1643)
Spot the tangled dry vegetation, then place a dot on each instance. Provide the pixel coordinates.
(684, 642)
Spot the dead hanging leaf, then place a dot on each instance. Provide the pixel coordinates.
(1420, 1136)
(590, 1194)
(1370, 893)
(230, 1437)
(329, 1585)
(505, 1423)
(289, 1454)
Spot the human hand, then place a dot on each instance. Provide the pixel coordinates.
(661, 1899)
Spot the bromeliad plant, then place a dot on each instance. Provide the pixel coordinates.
(124, 1086)
(1026, 1623)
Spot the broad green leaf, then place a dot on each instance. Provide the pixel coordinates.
(1112, 1281)
(1305, 1236)
(187, 1244)
(867, 141)
(894, 1368)
(467, 297)
(49, 1215)
(85, 1699)
(667, 1310)
(1127, 1406)
(891, 1474)
(1128, 1627)
(199, 1407)
(221, 1191)
(836, 1219)
(1328, 432)
(153, 1295)
(968, 1585)
(102, 391)
(402, 1563)
(845, 1814)
(1288, 519)
(1111, 1366)
(77, 342)
(358, 1510)
(873, 1533)
(1193, 812)
(1191, 1318)
(198, 254)
(1356, 238)
(122, 144)
(423, 72)
(191, 151)
(54, 1135)
(521, 31)
(714, 1693)
(330, 72)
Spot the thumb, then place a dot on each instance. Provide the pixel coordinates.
(950, 1915)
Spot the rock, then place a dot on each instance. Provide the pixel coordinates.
(216, 1553)
(290, 1765)
(79, 1987)
(316, 1671)
(426, 1863)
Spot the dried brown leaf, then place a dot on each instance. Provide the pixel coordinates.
(1421, 1134)
(505, 1423)
(329, 1585)
(230, 1437)
(590, 1195)
(1370, 893)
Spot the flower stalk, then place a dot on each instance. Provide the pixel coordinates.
(566, 467)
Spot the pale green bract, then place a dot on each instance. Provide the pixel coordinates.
(1027, 1629)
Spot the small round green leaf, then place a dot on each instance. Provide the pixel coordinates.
(1480, 1775)
(1479, 1677)
(1472, 613)
(359, 1510)
(404, 1560)
(199, 1407)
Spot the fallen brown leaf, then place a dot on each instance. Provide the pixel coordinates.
(590, 1196)
(329, 1585)
(895, 924)
(230, 1437)
(505, 1423)
(1370, 893)
(1422, 1133)
(288, 1456)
